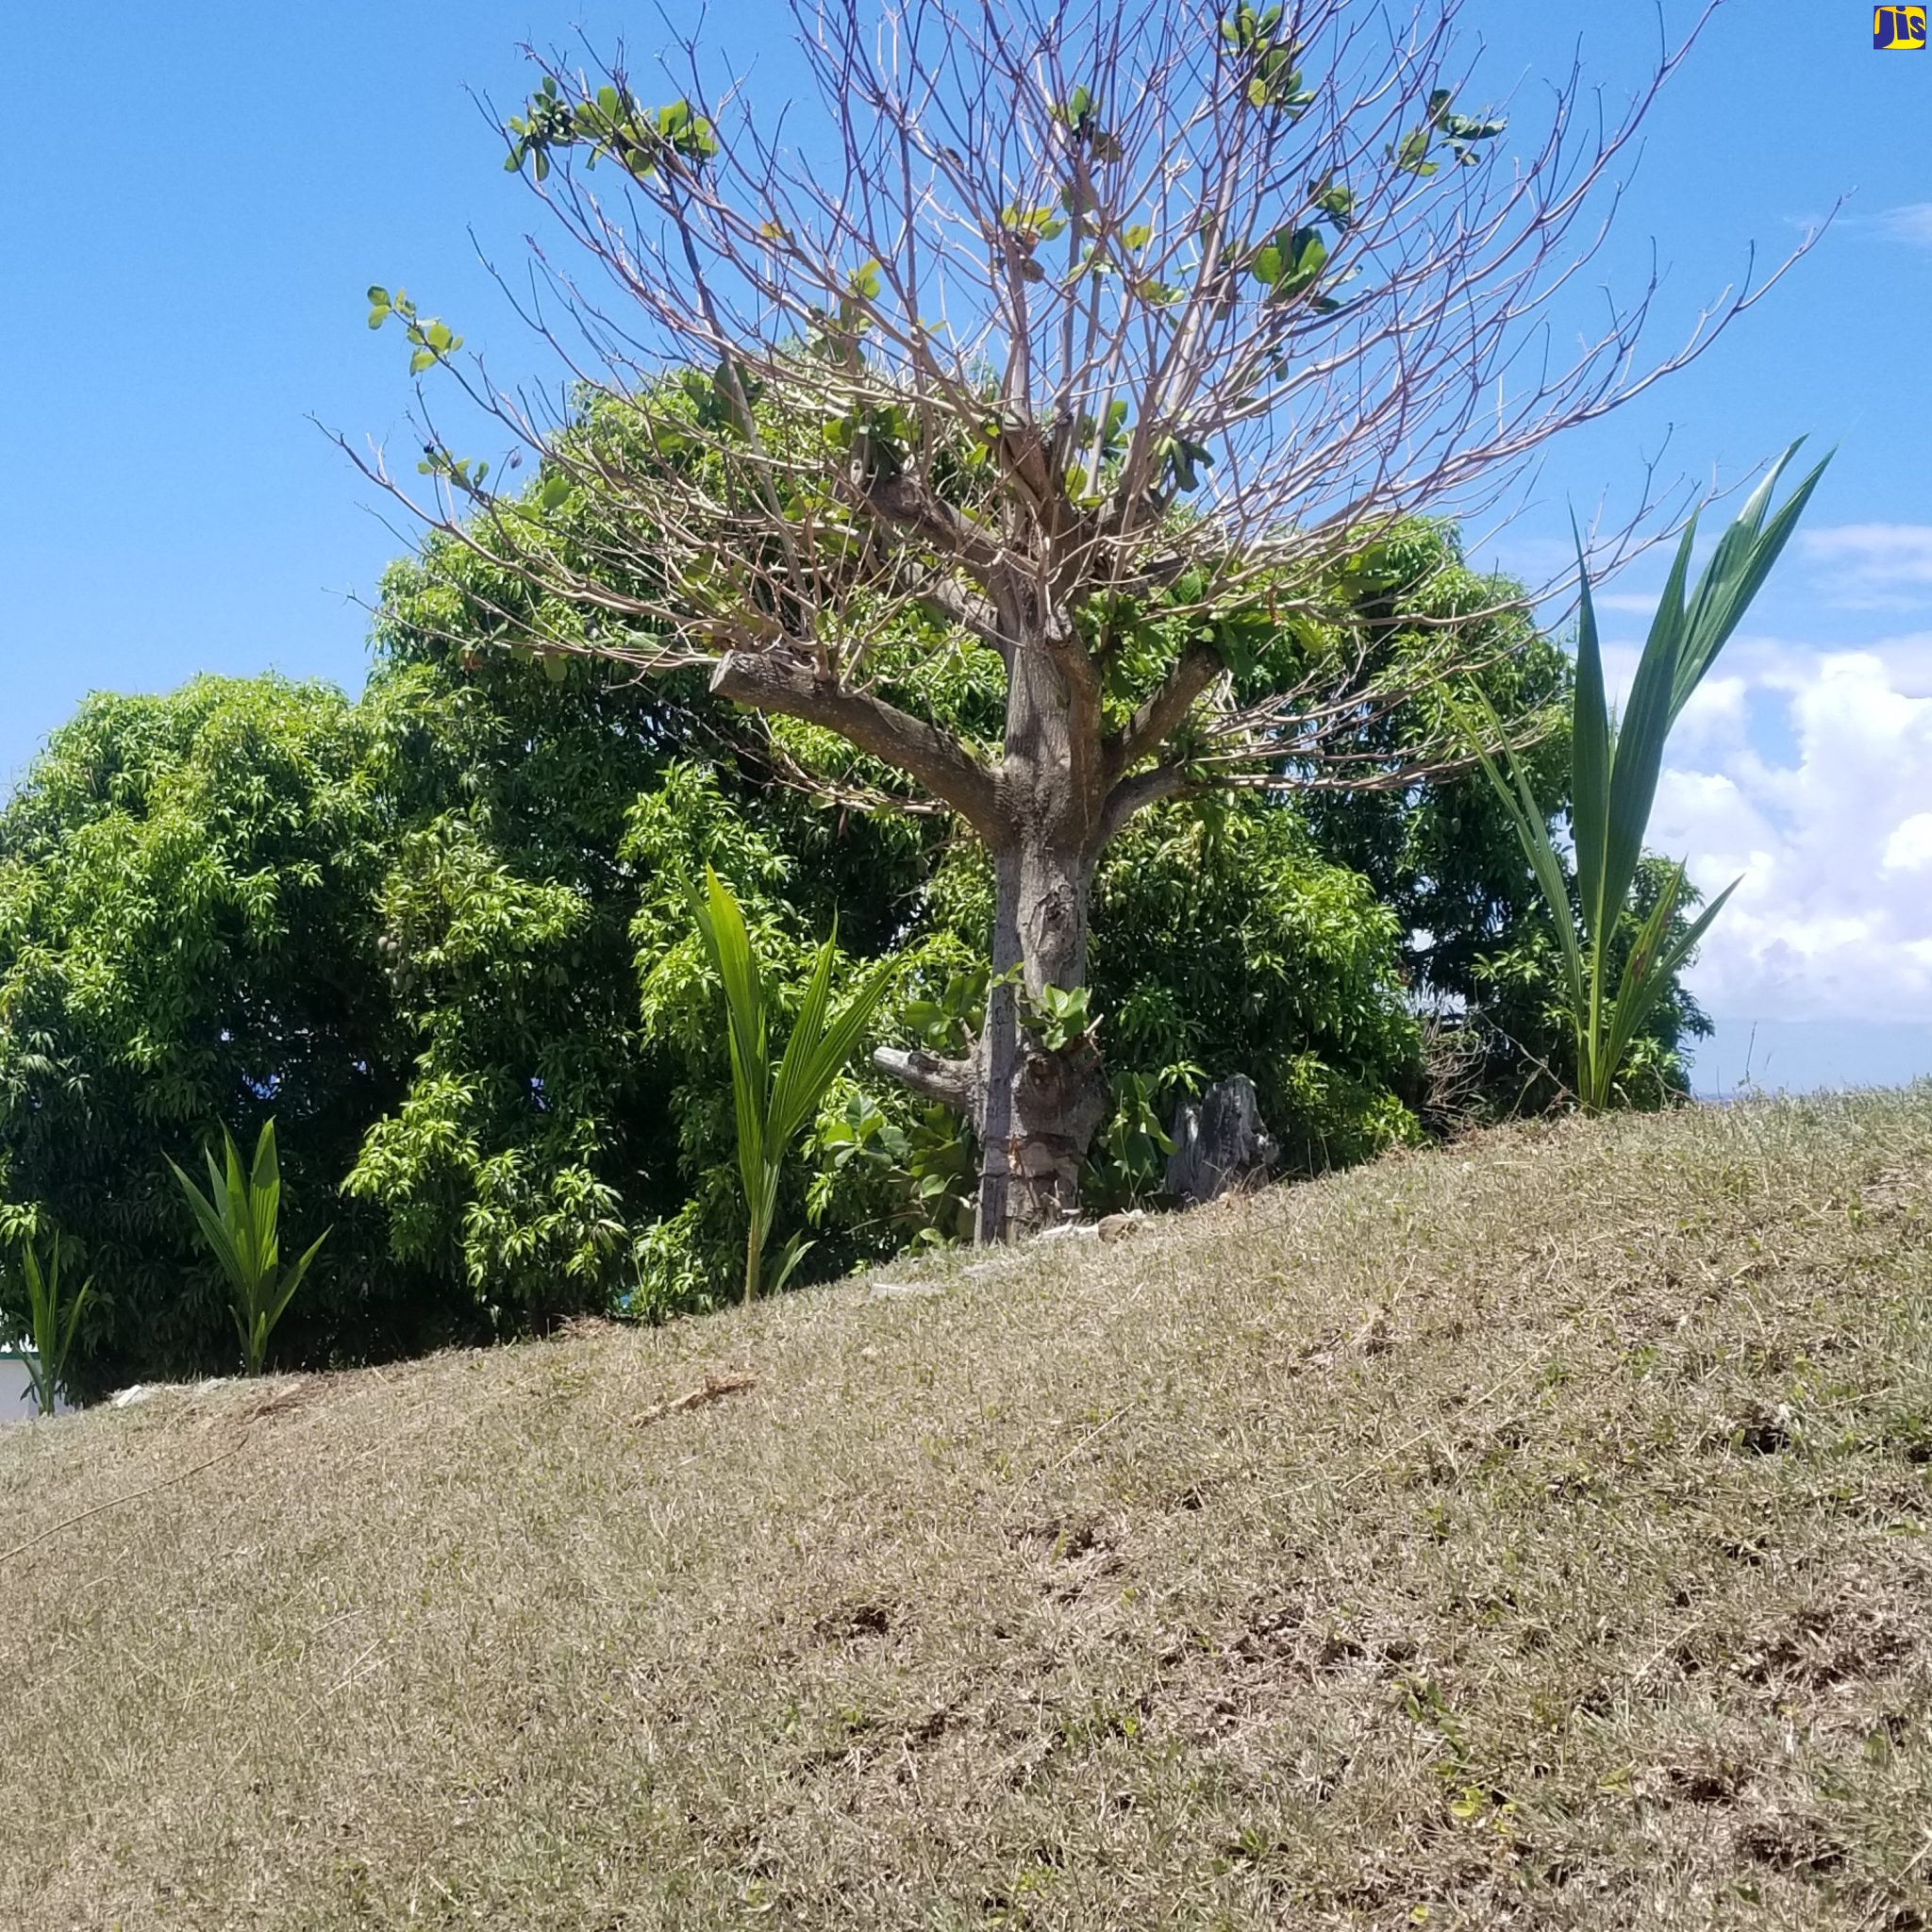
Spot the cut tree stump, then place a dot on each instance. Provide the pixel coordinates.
(1221, 1144)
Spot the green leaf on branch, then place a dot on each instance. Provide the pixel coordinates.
(1079, 114)
(1032, 225)
(1277, 82)
(611, 125)
(1412, 156)
(431, 341)
(1059, 1017)
(1274, 78)
(1289, 261)
(1333, 199)
(1462, 132)
(1185, 459)
(1249, 29)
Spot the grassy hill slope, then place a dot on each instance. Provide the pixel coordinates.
(1532, 1533)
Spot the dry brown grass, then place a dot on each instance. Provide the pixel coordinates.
(1531, 1533)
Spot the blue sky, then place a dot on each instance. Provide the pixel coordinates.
(186, 295)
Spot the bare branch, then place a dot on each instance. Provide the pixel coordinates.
(948, 1082)
(1070, 311)
(770, 683)
(1159, 718)
(974, 353)
(1144, 789)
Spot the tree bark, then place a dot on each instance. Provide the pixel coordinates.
(1037, 1110)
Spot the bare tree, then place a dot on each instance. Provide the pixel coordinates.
(1078, 340)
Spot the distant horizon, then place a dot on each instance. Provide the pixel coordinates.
(1807, 1055)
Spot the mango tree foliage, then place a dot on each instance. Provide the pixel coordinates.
(443, 935)
(545, 1124)
(1274, 962)
(188, 918)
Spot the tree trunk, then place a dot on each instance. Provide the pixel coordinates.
(1035, 1112)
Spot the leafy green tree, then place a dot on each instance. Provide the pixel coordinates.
(550, 810)
(530, 1128)
(442, 933)
(1441, 852)
(1147, 320)
(1266, 959)
(188, 924)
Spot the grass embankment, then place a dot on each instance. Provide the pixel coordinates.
(1532, 1533)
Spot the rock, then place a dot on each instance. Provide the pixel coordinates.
(1221, 1144)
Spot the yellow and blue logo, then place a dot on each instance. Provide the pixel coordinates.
(1899, 29)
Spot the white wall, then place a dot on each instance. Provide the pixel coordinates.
(17, 1403)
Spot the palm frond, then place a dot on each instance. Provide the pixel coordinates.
(1614, 770)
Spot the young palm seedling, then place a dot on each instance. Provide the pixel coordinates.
(774, 1104)
(53, 1326)
(1614, 769)
(240, 1217)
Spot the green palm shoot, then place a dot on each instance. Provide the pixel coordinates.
(53, 1324)
(774, 1104)
(1613, 778)
(240, 1217)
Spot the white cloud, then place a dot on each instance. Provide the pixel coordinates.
(1810, 772)
(1909, 848)
(1911, 222)
(1873, 565)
